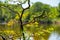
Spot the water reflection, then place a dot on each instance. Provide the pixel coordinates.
(54, 36)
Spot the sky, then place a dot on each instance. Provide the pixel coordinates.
(50, 2)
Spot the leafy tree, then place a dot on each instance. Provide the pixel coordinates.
(31, 20)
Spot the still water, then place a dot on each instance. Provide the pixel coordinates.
(54, 36)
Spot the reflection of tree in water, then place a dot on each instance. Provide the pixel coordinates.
(2, 37)
(2, 19)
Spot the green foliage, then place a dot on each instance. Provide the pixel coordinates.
(44, 13)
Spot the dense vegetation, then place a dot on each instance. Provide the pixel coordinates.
(37, 20)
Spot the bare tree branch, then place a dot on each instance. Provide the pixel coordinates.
(34, 19)
(20, 19)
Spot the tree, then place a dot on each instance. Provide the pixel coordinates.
(30, 23)
(20, 16)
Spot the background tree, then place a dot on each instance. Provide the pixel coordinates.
(32, 21)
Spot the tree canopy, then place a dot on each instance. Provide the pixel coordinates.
(35, 21)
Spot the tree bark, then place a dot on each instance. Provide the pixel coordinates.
(20, 19)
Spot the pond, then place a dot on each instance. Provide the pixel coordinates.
(43, 32)
(54, 36)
